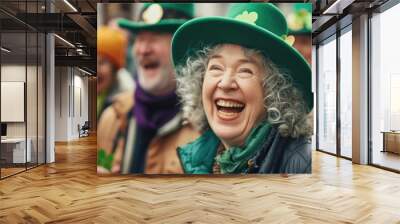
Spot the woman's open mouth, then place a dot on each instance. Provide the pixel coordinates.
(229, 109)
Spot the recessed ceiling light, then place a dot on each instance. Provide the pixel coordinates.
(70, 5)
(64, 40)
(5, 50)
(84, 71)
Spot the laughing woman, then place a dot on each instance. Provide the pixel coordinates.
(247, 89)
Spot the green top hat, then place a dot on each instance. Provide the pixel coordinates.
(259, 26)
(160, 17)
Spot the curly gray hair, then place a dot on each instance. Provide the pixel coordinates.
(283, 102)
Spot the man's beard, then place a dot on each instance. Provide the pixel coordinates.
(157, 84)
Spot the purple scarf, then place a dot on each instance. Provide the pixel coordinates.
(152, 112)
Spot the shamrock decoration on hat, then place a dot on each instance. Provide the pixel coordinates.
(160, 17)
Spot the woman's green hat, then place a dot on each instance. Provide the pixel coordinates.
(160, 17)
(259, 26)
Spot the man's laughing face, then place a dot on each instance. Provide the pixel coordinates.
(155, 70)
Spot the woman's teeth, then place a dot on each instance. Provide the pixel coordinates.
(229, 109)
(228, 103)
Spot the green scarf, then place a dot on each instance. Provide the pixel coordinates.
(235, 159)
(198, 157)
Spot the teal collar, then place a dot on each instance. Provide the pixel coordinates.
(198, 157)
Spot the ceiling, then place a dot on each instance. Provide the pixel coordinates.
(73, 20)
(330, 15)
(76, 21)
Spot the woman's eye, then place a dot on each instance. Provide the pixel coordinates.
(245, 70)
(245, 73)
(215, 68)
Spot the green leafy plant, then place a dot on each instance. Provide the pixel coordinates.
(105, 160)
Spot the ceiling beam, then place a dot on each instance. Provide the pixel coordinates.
(85, 25)
(82, 61)
(337, 7)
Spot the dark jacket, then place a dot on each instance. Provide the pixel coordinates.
(277, 154)
(282, 155)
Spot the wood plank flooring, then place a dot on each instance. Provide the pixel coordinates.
(10, 171)
(69, 191)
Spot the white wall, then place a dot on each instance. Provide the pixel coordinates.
(80, 104)
(14, 73)
(61, 103)
(71, 94)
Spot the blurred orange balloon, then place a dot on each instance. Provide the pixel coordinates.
(112, 43)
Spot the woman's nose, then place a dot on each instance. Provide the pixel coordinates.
(227, 81)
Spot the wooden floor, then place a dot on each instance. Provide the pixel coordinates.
(5, 172)
(10, 171)
(69, 191)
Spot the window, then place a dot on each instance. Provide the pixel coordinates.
(385, 88)
(327, 96)
(346, 93)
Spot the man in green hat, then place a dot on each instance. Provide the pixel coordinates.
(143, 133)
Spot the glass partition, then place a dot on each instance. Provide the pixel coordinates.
(41, 91)
(31, 98)
(14, 153)
(22, 77)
